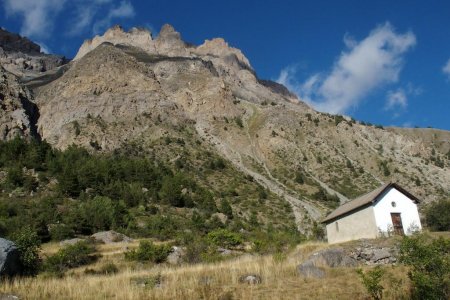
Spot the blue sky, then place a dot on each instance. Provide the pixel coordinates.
(385, 62)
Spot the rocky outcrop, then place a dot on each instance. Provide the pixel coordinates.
(108, 237)
(71, 241)
(176, 256)
(9, 259)
(18, 113)
(374, 255)
(14, 42)
(24, 58)
(328, 258)
(137, 37)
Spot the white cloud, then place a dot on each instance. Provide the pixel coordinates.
(123, 10)
(84, 13)
(361, 68)
(38, 15)
(44, 48)
(446, 69)
(396, 99)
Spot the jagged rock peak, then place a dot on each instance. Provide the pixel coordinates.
(168, 43)
(137, 37)
(168, 30)
(14, 42)
(219, 47)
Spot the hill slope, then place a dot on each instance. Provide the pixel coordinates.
(126, 87)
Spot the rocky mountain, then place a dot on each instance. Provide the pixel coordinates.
(24, 58)
(128, 88)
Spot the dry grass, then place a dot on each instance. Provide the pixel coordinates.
(202, 281)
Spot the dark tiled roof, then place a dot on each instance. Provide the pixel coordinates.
(363, 200)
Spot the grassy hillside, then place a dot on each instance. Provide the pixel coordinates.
(219, 280)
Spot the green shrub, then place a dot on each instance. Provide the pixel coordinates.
(148, 251)
(299, 178)
(28, 243)
(437, 215)
(15, 177)
(371, 281)
(238, 121)
(429, 262)
(226, 208)
(61, 232)
(71, 256)
(224, 238)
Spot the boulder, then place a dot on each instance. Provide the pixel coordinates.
(176, 256)
(379, 254)
(9, 259)
(224, 251)
(71, 241)
(372, 255)
(332, 258)
(250, 279)
(308, 269)
(108, 237)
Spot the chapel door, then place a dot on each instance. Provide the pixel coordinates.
(397, 223)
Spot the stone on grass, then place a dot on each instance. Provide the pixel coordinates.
(176, 256)
(9, 259)
(71, 241)
(250, 279)
(332, 258)
(108, 237)
(308, 269)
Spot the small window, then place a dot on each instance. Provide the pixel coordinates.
(393, 204)
(337, 226)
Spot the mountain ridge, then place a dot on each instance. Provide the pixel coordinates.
(121, 90)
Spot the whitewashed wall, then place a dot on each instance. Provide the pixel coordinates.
(405, 206)
(357, 225)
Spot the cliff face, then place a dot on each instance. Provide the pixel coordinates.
(126, 88)
(18, 114)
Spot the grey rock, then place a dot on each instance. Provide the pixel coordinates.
(333, 257)
(308, 269)
(70, 241)
(9, 259)
(250, 279)
(379, 254)
(8, 297)
(176, 256)
(224, 251)
(108, 237)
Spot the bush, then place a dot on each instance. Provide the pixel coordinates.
(15, 177)
(238, 121)
(28, 243)
(437, 215)
(61, 232)
(371, 281)
(148, 251)
(226, 209)
(71, 256)
(224, 238)
(429, 262)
